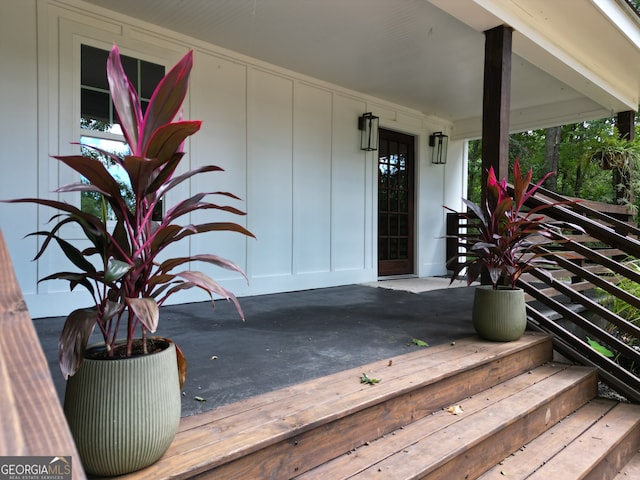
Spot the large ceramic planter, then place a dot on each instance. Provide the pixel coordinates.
(124, 413)
(499, 315)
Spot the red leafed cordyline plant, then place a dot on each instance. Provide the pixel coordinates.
(121, 269)
(507, 234)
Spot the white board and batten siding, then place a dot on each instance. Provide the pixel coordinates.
(288, 143)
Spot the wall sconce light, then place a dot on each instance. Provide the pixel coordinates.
(439, 141)
(368, 126)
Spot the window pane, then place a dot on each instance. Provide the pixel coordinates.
(383, 247)
(93, 67)
(403, 249)
(91, 202)
(130, 66)
(383, 226)
(404, 201)
(383, 201)
(393, 224)
(150, 74)
(393, 249)
(95, 106)
(404, 225)
(95, 112)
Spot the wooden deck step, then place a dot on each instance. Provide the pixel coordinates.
(285, 433)
(491, 425)
(631, 470)
(595, 442)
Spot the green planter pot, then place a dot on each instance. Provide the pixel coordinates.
(124, 413)
(499, 315)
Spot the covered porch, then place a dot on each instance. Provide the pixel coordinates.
(283, 113)
(293, 337)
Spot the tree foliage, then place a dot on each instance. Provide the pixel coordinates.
(577, 175)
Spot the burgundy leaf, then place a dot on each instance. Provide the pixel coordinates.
(185, 176)
(141, 172)
(167, 139)
(74, 338)
(94, 171)
(206, 283)
(166, 100)
(125, 99)
(146, 310)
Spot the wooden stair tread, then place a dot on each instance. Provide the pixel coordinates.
(434, 445)
(530, 457)
(631, 470)
(406, 365)
(267, 425)
(508, 421)
(359, 459)
(587, 451)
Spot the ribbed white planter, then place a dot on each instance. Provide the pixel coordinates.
(499, 315)
(124, 413)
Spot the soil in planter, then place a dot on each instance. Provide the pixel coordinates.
(120, 351)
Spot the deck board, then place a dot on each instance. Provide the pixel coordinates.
(588, 450)
(631, 470)
(525, 461)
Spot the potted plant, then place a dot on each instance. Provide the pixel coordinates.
(123, 397)
(613, 152)
(622, 157)
(504, 248)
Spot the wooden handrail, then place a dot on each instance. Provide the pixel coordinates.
(32, 421)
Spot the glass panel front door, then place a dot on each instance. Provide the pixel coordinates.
(395, 203)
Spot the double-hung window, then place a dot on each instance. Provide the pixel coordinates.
(98, 120)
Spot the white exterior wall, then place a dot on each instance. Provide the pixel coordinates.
(289, 145)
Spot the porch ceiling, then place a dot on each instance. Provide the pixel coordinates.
(571, 61)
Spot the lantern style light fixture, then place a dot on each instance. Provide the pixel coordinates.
(368, 126)
(439, 141)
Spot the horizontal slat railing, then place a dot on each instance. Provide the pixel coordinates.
(563, 299)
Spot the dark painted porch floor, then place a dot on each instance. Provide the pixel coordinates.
(288, 338)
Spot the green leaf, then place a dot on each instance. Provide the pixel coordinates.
(364, 378)
(420, 343)
(600, 348)
(116, 270)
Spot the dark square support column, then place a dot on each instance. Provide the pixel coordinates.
(495, 103)
(626, 129)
